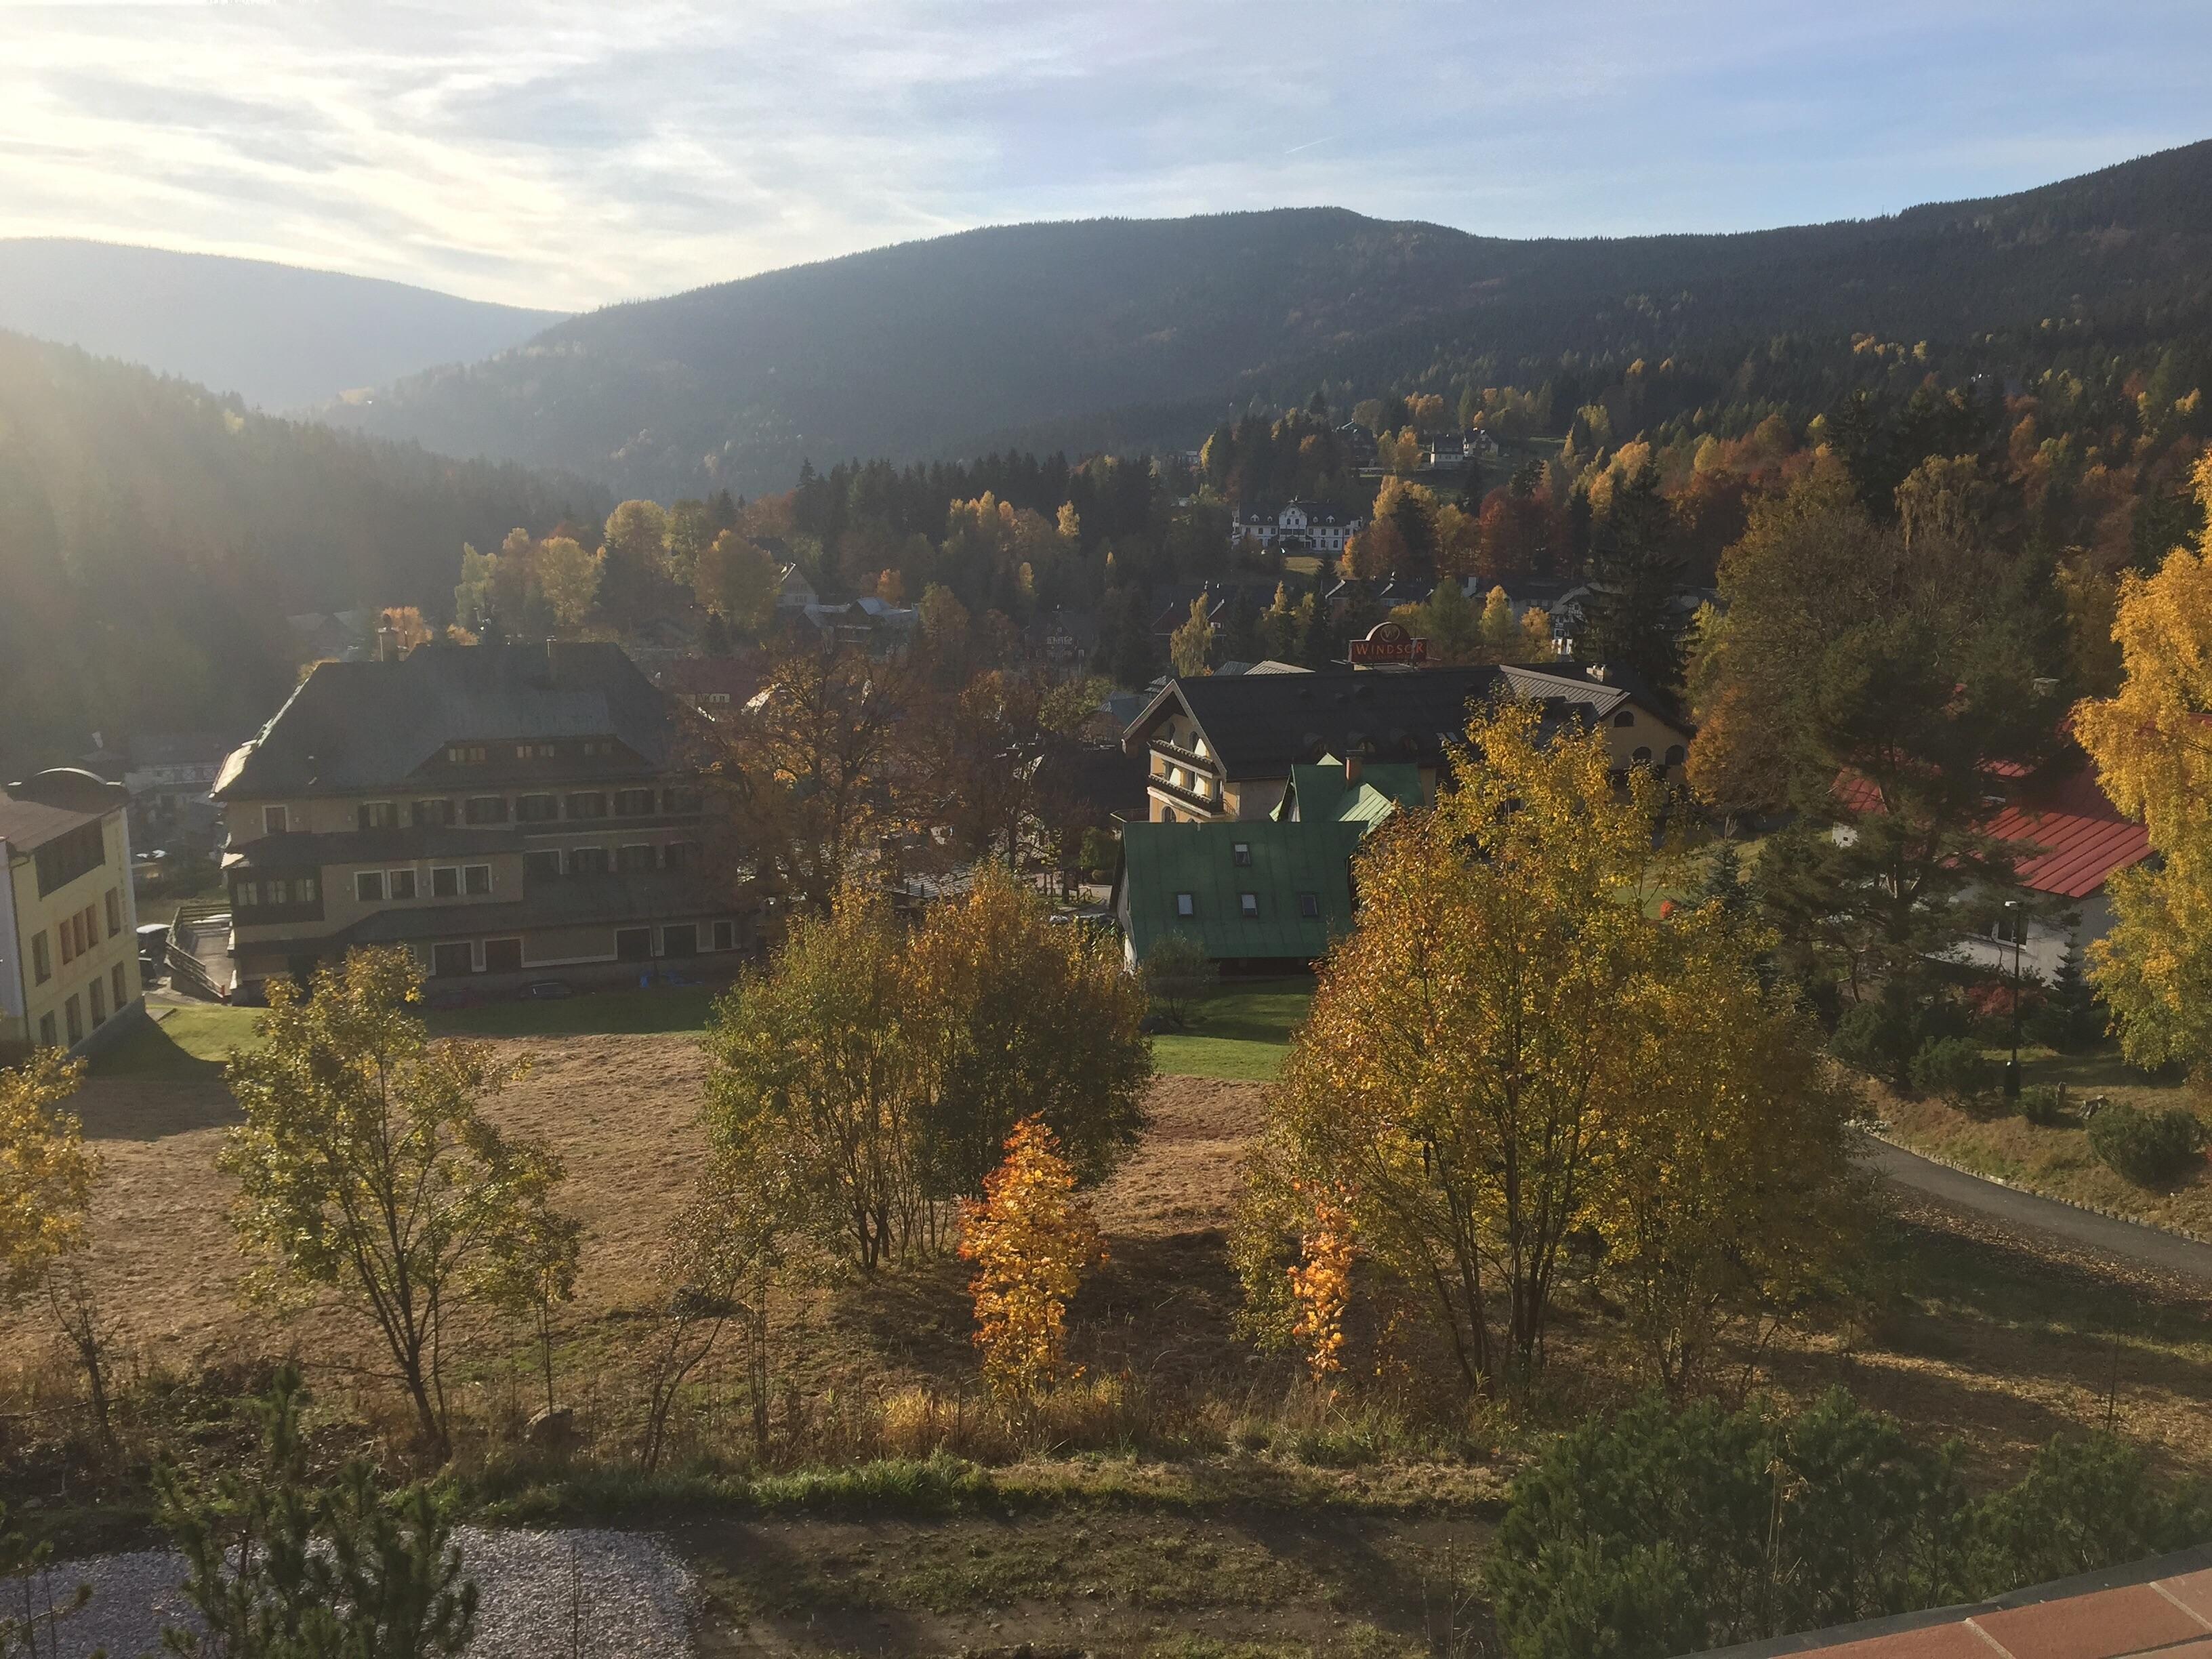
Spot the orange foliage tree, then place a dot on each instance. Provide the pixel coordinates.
(1032, 1239)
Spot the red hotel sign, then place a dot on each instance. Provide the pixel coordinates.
(1389, 641)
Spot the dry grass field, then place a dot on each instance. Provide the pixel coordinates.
(1196, 1500)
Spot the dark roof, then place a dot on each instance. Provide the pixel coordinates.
(1262, 724)
(35, 809)
(1160, 861)
(180, 748)
(357, 725)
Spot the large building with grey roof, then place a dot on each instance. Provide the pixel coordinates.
(1223, 746)
(68, 947)
(506, 811)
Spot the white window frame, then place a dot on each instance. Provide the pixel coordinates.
(391, 886)
(361, 877)
(276, 820)
(469, 870)
(437, 869)
(1187, 905)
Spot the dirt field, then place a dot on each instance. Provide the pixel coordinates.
(2000, 1340)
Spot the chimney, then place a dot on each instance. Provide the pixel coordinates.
(1350, 769)
(387, 644)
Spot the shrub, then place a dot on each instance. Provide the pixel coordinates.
(2044, 1105)
(1953, 1068)
(1656, 1532)
(1177, 972)
(1877, 1038)
(2150, 1148)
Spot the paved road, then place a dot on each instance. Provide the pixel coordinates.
(2142, 1247)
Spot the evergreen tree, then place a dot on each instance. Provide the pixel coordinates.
(2069, 1018)
(1635, 574)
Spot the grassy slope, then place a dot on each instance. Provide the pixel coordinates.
(1238, 1033)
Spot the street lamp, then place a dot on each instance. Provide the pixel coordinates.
(2012, 1066)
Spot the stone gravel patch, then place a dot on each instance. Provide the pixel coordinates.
(540, 1595)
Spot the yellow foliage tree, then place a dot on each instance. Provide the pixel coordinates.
(1490, 1065)
(738, 580)
(1031, 1240)
(1321, 1281)
(46, 1174)
(568, 577)
(1191, 646)
(2153, 746)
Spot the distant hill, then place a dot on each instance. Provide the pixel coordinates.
(280, 336)
(1121, 333)
(154, 537)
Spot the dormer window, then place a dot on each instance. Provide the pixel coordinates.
(1242, 852)
(464, 754)
(1185, 905)
(524, 751)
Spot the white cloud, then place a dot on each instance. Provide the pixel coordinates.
(567, 155)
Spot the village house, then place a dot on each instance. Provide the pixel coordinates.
(1221, 747)
(508, 812)
(1298, 528)
(1272, 893)
(68, 944)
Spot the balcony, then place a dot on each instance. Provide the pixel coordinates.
(1209, 804)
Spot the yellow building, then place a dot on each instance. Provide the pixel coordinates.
(69, 940)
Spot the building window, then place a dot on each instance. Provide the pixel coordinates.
(534, 751)
(541, 862)
(445, 881)
(636, 856)
(119, 981)
(274, 820)
(452, 961)
(303, 890)
(592, 805)
(476, 880)
(725, 937)
(537, 809)
(245, 895)
(633, 944)
(1624, 720)
(114, 912)
(680, 855)
(1242, 853)
(98, 993)
(633, 803)
(593, 749)
(1642, 756)
(378, 815)
(1676, 754)
(684, 799)
(73, 1015)
(368, 886)
(42, 961)
(280, 891)
(464, 754)
(681, 940)
(587, 860)
(1310, 904)
(402, 884)
(433, 814)
(1185, 905)
(1248, 905)
(46, 1031)
(486, 809)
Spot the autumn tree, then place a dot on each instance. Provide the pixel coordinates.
(569, 580)
(815, 1074)
(1630, 620)
(1488, 1067)
(2151, 743)
(46, 1173)
(987, 750)
(1448, 623)
(633, 549)
(1191, 646)
(1032, 1239)
(366, 1166)
(406, 623)
(1010, 1017)
(738, 580)
(806, 776)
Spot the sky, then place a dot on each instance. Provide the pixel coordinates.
(569, 156)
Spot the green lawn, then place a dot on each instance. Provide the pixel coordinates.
(188, 1037)
(1239, 1032)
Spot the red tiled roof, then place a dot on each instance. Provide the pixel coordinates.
(2080, 838)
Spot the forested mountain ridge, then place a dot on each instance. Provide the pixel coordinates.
(153, 537)
(281, 336)
(1134, 332)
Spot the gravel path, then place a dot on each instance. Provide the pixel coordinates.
(541, 1595)
(2125, 1241)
